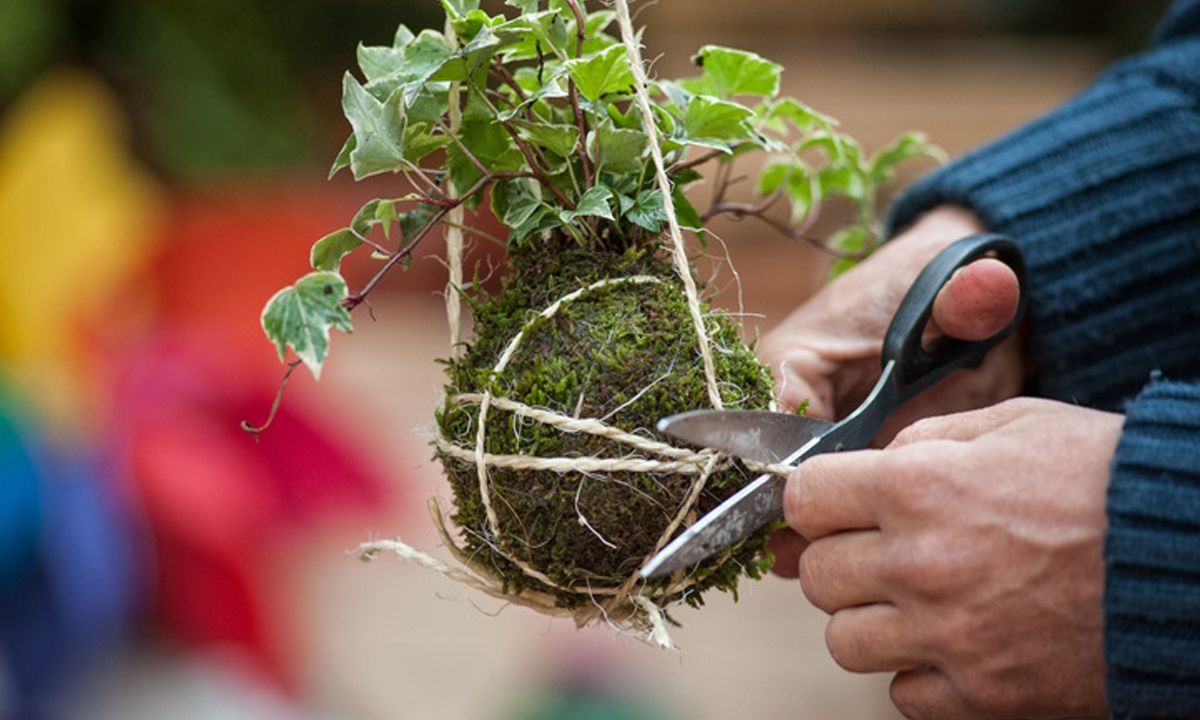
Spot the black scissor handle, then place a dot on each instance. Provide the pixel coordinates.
(918, 368)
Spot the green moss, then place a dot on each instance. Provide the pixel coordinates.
(626, 354)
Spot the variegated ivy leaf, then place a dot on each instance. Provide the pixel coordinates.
(302, 315)
(594, 202)
(378, 129)
(909, 145)
(729, 72)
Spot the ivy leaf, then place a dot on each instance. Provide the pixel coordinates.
(803, 117)
(594, 202)
(385, 215)
(464, 63)
(617, 150)
(378, 129)
(517, 201)
(729, 72)
(343, 157)
(327, 253)
(685, 213)
(377, 61)
(458, 8)
(411, 67)
(706, 120)
(490, 143)
(646, 210)
(852, 239)
(560, 139)
(910, 145)
(601, 73)
(302, 315)
(795, 180)
(414, 221)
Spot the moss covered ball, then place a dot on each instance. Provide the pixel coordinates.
(620, 351)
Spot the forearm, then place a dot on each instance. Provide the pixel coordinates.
(1104, 196)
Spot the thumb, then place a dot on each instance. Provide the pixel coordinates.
(978, 301)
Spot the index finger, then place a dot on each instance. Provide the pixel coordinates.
(834, 492)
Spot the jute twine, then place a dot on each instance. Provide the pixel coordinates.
(632, 605)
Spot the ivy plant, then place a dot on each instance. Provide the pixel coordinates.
(528, 114)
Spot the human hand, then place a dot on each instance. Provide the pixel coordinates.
(966, 557)
(827, 352)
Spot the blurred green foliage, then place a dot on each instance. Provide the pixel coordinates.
(210, 85)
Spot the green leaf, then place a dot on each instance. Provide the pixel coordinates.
(419, 142)
(601, 73)
(617, 150)
(464, 63)
(646, 211)
(524, 7)
(852, 239)
(729, 72)
(327, 253)
(907, 146)
(774, 174)
(343, 157)
(459, 8)
(379, 61)
(302, 315)
(560, 139)
(707, 119)
(594, 202)
(520, 201)
(685, 213)
(800, 115)
(414, 221)
(385, 215)
(378, 129)
(490, 143)
(414, 65)
(795, 180)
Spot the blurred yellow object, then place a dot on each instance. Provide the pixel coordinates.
(76, 220)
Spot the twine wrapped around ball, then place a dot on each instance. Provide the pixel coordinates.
(631, 604)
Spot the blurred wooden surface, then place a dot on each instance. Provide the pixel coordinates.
(390, 640)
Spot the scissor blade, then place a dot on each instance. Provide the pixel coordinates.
(752, 507)
(758, 435)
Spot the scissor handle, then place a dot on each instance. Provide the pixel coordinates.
(918, 368)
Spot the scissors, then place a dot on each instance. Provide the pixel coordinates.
(788, 439)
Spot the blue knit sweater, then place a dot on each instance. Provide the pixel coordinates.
(1104, 196)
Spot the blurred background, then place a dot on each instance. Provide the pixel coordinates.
(162, 173)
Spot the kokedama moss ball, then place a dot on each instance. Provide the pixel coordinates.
(622, 352)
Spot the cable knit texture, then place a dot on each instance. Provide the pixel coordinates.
(1104, 196)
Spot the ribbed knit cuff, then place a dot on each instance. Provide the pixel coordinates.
(1104, 196)
(1152, 558)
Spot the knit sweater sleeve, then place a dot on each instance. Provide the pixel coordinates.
(1152, 558)
(1103, 195)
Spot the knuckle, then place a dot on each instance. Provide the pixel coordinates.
(845, 646)
(800, 506)
(924, 566)
(907, 698)
(916, 431)
(911, 478)
(811, 577)
(985, 697)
